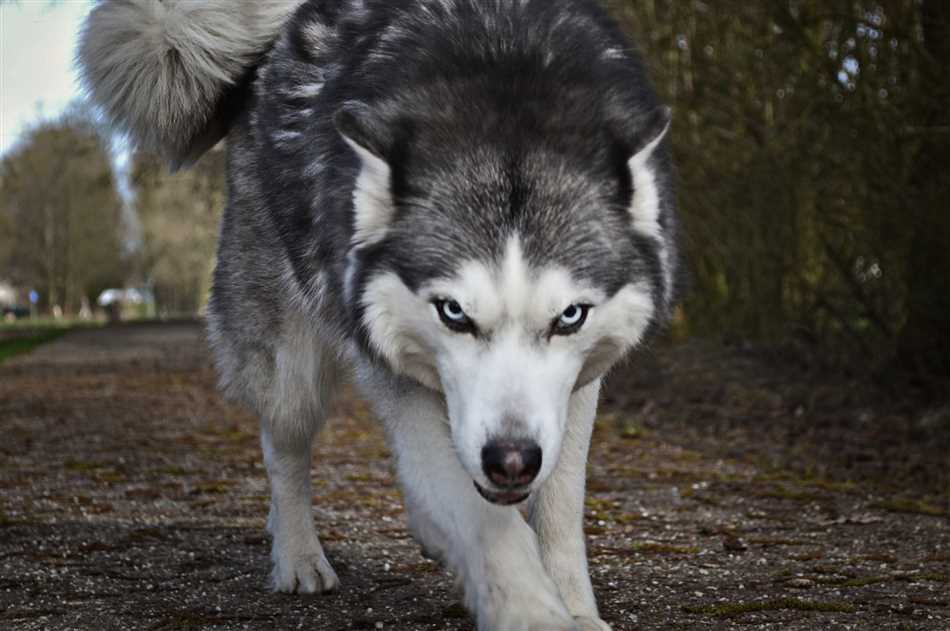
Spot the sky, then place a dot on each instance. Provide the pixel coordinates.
(37, 72)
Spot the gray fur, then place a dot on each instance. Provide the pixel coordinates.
(403, 139)
(160, 69)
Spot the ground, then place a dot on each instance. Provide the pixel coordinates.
(133, 497)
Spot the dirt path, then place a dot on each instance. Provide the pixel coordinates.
(132, 497)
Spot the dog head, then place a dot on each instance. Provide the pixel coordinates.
(506, 270)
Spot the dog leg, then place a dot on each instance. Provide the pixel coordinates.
(299, 563)
(491, 548)
(303, 387)
(557, 514)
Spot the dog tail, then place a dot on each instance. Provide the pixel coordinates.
(163, 70)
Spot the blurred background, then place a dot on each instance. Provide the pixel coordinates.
(812, 140)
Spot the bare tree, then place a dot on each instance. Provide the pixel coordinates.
(62, 213)
(179, 214)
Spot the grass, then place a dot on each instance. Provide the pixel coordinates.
(39, 325)
(22, 336)
(25, 344)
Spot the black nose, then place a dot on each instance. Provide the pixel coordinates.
(511, 463)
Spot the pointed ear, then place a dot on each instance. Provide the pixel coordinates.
(651, 200)
(370, 140)
(648, 132)
(361, 126)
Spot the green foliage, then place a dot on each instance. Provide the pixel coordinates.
(23, 344)
(812, 143)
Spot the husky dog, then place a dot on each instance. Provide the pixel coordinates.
(465, 206)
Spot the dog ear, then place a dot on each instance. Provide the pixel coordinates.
(651, 203)
(371, 141)
(644, 136)
(648, 131)
(363, 129)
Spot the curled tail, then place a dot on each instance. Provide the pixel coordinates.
(162, 69)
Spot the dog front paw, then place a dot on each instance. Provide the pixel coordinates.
(304, 571)
(544, 612)
(530, 621)
(591, 624)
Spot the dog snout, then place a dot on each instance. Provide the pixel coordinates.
(511, 463)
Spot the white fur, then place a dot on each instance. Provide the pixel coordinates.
(513, 578)
(491, 548)
(557, 510)
(513, 380)
(159, 68)
(309, 90)
(299, 563)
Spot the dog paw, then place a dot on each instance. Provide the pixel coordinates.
(526, 623)
(523, 617)
(306, 573)
(591, 624)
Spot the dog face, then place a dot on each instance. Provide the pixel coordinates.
(507, 344)
(505, 284)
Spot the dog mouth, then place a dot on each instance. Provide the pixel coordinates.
(502, 498)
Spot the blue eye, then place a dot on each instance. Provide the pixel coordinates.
(453, 316)
(452, 310)
(571, 320)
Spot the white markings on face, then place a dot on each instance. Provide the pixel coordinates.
(400, 326)
(513, 378)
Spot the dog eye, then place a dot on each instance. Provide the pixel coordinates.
(571, 320)
(453, 316)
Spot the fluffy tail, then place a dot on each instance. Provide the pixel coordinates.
(161, 69)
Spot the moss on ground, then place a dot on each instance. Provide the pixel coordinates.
(732, 610)
(913, 507)
(782, 492)
(654, 547)
(864, 581)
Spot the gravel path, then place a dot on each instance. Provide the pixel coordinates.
(132, 497)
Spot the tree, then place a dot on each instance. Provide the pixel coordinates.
(811, 139)
(179, 214)
(62, 213)
(925, 337)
